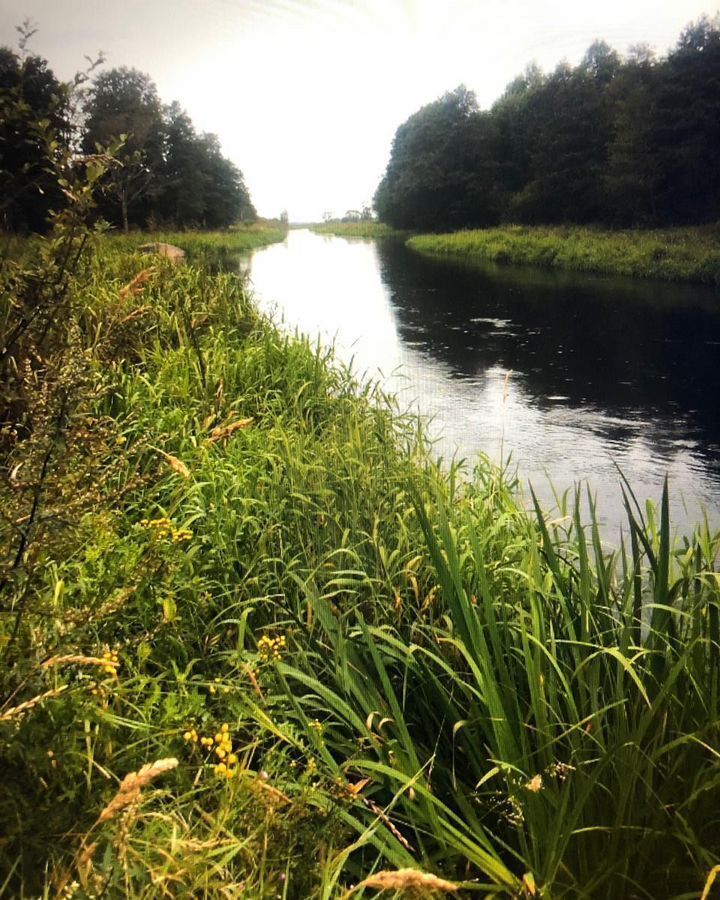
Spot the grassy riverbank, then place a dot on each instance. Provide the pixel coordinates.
(225, 561)
(213, 248)
(687, 254)
(358, 229)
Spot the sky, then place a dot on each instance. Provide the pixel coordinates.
(306, 95)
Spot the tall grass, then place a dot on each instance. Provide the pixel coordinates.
(413, 672)
(213, 250)
(679, 254)
(358, 229)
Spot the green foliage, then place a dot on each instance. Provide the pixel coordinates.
(442, 167)
(219, 251)
(255, 639)
(460, 687)
(357, 229)
(169, 172)
(123, 103)
(32, 104)
(621, 141)
(165, 172)
(689, 254)
(196, 183)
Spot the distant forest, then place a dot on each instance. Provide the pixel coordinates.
(167, 174)
(631, 140)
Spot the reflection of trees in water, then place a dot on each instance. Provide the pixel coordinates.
(611, 344)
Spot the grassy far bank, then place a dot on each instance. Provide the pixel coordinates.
(214, 250)
(208, 247)
(227, 562)
(687, 254)
(358, 229)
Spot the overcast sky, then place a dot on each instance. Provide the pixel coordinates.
(306, 95)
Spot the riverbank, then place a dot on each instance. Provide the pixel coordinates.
(243, 578)
(358, 229)
(213, 248)
(687, 254)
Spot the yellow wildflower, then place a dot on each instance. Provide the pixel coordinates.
(271, 649)
(112, 661)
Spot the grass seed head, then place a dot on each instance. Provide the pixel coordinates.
(132, 786)
(411, 881)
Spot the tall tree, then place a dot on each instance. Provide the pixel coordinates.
(634, 141)
(198, 185)
(125, 102)
(570, 117)
(227, 199)
(33, 113)
(686, 126)
(442, 166)
(633, 167)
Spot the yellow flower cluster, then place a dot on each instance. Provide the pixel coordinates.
(227, 760)
(164, 528)
(271, 648)
(221, 745)
(161, 528)
(112, 661)
(213, 688)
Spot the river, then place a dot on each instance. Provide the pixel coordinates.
(570, 376)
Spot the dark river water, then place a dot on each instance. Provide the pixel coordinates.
(571, 375)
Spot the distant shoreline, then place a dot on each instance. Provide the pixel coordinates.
(368, 229)
(690, 255)
(671, 254)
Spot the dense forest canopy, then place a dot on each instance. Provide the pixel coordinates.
(27, 191)
(167, 173)
(631, 140)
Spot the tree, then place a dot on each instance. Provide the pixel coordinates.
(33, 104)
(633, 168)
(442, 169)
(634, 141)
(197, 185)
(686, 126)
(125, 102)
(568, 128)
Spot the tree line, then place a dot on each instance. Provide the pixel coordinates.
(631, 140)
(166, 173)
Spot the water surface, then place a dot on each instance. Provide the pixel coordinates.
(572, 375)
